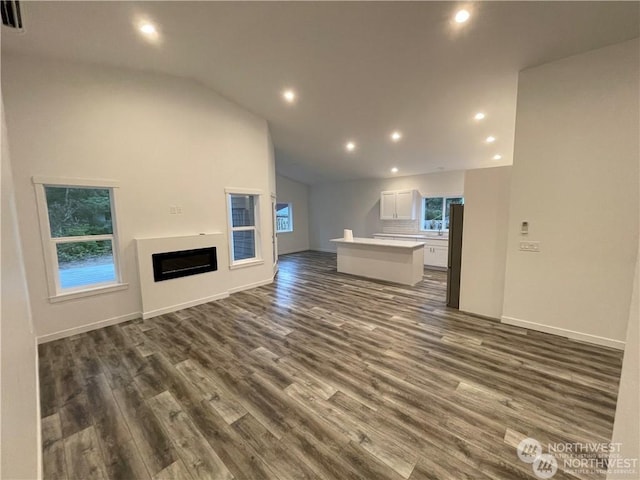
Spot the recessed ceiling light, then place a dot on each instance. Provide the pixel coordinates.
(479, 116)
(497, 157)
(350, 146)
(289, 95)
(462, 16)
(148, 28)
(395, 136)
(394, 170)
(490, 139)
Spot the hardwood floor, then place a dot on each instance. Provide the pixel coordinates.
(318, 376)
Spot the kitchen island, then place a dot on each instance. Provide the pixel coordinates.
(391, 260)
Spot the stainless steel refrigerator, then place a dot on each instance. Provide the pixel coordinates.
(456, 215)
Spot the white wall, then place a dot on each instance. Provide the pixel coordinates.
(484, 244)
(626, 429)
(575, 180)
(356, 204)
(296, 193)
(19, 412)
(167, 141)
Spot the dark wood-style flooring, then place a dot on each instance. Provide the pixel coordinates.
(318, 376)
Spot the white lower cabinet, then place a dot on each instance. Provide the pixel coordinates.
(436, 256)
(436, 252)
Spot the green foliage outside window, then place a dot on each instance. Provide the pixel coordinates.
(433, 208)
(436, 212)
(76, 212)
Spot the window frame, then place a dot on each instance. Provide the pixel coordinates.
(49, 243)
(444, 203)
(256, 228)
(290, 216)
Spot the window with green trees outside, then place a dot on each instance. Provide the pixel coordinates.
(81, 235)
(435, 212)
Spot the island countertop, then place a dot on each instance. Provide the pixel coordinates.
(379, 242)
(411, 235)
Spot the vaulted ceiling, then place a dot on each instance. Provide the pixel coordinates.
(360, 70)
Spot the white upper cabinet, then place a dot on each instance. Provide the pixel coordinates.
(398, 205)
(406, 205)
(388, 205)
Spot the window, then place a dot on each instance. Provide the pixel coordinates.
(284, 218)
(435, 212)
(79, 236)
(244, 231)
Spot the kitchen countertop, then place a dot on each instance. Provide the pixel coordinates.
(379, 242)
(415, 235)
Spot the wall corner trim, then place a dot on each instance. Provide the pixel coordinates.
(561, 332)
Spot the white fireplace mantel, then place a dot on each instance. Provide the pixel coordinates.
(178, 293)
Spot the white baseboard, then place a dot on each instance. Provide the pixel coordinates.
(87, 328)
(562, 332)
(182, 306)
(479, 315)
(200, 301)
(154, 313)
(296, 250)
(251, 285)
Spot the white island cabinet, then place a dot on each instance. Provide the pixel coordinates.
(391, 260)
(436, 248)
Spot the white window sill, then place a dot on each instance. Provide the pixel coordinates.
(63, 297)
(284, 231)
(246, 263)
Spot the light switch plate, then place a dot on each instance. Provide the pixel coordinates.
(530, 246)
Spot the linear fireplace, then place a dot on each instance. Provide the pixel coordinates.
(183, 263)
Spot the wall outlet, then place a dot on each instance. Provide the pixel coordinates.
(530, 246)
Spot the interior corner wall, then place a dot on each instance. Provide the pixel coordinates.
(575, 180)
(484, 244)
(165, 140)
(297, 194)
(626, 428)
(19, 412)
(356, 204)
(271, 165)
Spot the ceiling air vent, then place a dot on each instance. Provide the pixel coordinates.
(11, 16)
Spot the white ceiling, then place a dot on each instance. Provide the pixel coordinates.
(360, 69)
